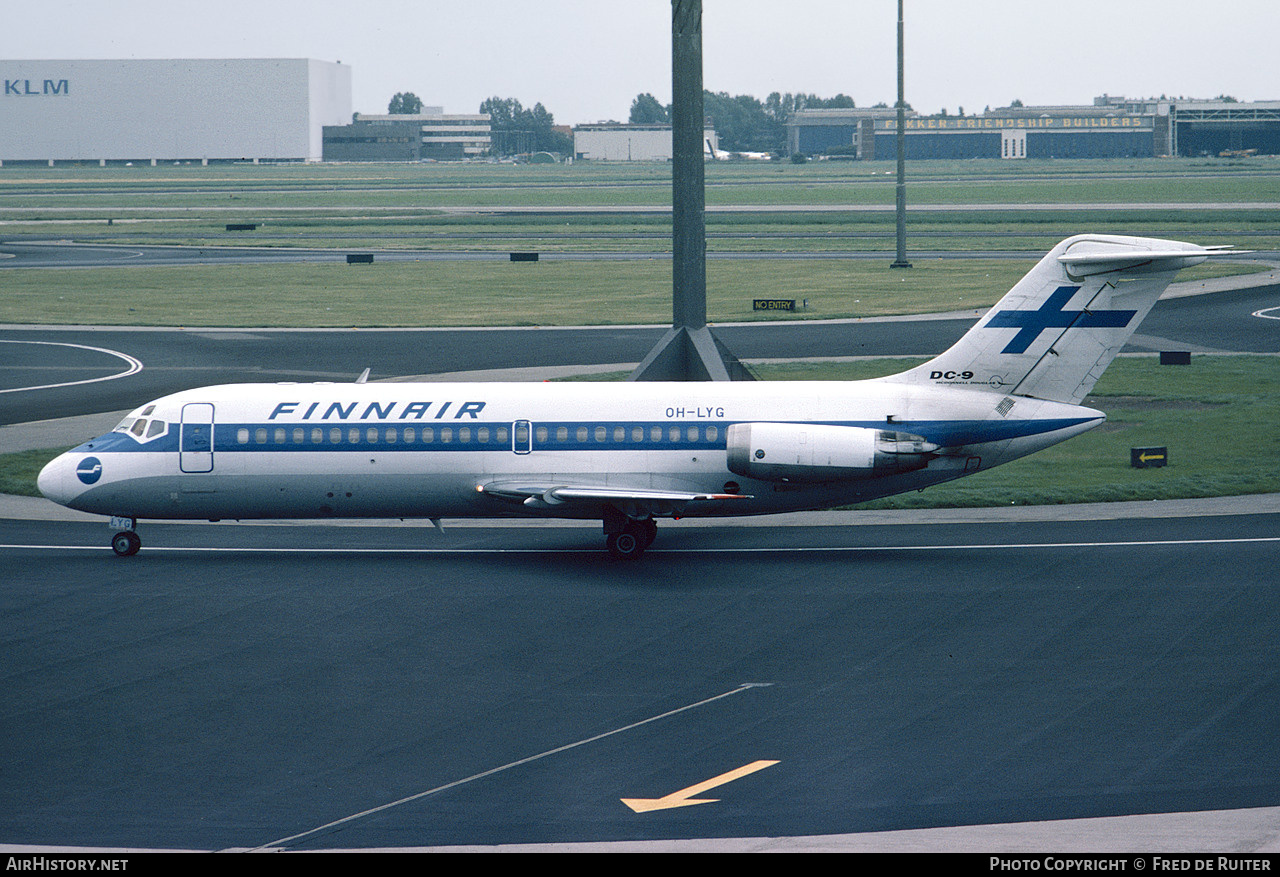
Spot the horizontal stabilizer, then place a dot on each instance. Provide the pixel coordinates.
(1099, 256)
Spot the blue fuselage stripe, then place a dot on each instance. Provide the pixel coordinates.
(275, 437)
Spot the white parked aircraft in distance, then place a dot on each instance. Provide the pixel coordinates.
(628, 454)
(721, 155)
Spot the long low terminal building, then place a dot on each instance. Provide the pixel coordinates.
(1112, 127)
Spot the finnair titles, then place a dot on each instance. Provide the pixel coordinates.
(630, 454)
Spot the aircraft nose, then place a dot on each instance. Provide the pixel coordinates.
(55, 480)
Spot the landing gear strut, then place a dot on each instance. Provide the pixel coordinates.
(126, 542)
(627, 538)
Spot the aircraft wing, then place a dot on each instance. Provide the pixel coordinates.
(631, 501)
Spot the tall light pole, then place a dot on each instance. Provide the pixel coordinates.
(901, 261)
(688, 168)
(688, 351)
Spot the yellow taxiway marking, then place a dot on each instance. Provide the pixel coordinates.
(685, 797)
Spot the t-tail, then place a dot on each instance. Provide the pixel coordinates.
(1052, 336)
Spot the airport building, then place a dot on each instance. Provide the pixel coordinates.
(170, 110)
(430, 135)
(1225, 127)
(1112, 127)
(839, 132)
(610, 142)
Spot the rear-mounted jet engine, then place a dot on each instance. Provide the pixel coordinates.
(814, 453)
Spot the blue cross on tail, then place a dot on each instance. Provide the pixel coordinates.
(1051, 315)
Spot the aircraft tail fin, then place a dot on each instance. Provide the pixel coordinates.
(1057, 330)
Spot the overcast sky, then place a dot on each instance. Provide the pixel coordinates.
(586, 61)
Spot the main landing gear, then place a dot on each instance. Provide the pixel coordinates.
(126, 542)
(627, 538)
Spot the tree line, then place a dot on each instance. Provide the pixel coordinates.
(744, 123)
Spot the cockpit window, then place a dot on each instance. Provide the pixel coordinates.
(142, 427)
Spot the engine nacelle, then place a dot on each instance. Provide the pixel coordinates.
(813, 453)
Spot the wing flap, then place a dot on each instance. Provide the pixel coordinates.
(637, 501)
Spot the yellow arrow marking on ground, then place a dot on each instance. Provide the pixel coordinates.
(685, 797)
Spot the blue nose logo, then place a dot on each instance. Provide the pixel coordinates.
(89, 470)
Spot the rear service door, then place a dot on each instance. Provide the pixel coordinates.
(195, 439)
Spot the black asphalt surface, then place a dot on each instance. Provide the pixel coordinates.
(175, 360)
(20, 253)
(236, 687)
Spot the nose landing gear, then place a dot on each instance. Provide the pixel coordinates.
(126, 542)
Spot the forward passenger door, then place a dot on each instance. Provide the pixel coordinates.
(195, 438)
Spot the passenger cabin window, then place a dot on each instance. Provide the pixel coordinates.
(479, 437)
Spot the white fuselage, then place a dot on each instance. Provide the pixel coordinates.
(398, 450)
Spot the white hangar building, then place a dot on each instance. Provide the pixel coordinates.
(170, 110)
(613, 142)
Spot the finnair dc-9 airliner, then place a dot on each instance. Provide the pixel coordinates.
(628, 454)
